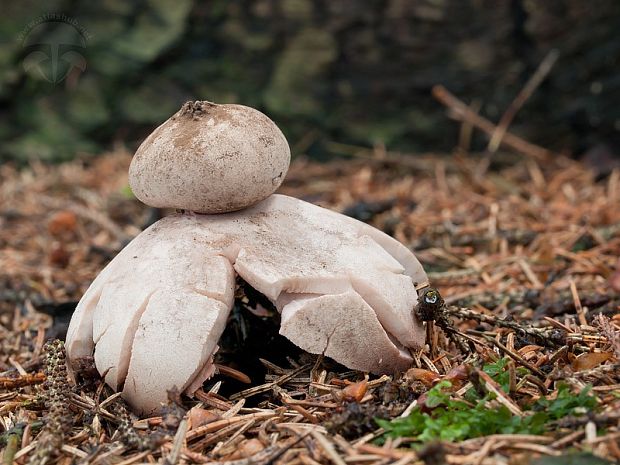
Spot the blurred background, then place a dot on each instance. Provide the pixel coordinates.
(79, 78)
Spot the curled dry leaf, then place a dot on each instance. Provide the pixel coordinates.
(458, 376)
(199, 416)
(590, 360)
(426, 377)
(355, 392)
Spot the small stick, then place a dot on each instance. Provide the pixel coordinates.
(431, 338)
(535, 448)
(306, 414)
(530, 274)
(328, 447)
(515, 356)
(466, 130)
(568, 439)
(267, 386)
(532, 84)
(501, 397)
(214, 438)
(244, 427)
(135, 458)
(368, 437)
(462, 112)
(219, 424)
(267, 456)
(232, 373)
(543, 335)
(578, 307)
(234, 410)
(21, 381)
(212, 400)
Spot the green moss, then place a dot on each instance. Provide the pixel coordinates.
(449, 419)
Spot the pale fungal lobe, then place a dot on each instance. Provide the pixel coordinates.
(155, 314)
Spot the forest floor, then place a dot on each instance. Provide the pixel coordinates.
(524, 253)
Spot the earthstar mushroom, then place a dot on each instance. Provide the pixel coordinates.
(154, 315)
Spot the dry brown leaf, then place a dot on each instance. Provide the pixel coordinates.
(246, 449)
(590, 360)
(199, 416)
(426, 377)
(458, 376)
(355, 392)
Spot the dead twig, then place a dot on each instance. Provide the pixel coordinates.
(548, 337)
(463, 113)
(21, 381)
(532, 84)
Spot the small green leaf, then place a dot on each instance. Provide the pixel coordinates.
(436, 396)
